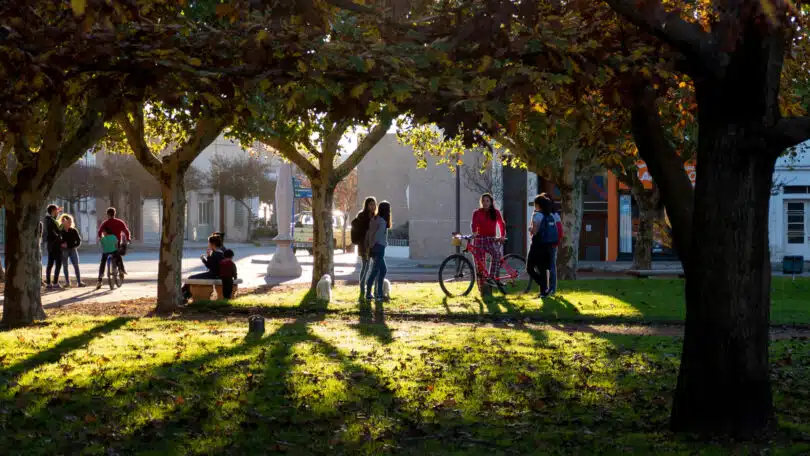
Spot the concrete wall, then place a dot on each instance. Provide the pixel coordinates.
(384, 174)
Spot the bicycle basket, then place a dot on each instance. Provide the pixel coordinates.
(456, 242)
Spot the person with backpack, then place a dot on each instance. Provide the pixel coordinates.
(544, 237)
(552, 276)
(359, 228)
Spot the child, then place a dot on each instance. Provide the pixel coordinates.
(213, 256)
(227, 273)
(109, 247)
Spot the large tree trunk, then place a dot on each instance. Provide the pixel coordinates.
(646, 201)
(23, 302)
(724, 384)
(173, 195)
(571, 200)
(323, 248)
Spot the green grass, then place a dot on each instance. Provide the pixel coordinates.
(82, 385)
(586, 300)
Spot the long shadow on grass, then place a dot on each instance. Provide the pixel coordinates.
(372, 322)
(65, 346)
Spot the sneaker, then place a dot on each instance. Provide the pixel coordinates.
(67, 285)
(81, 284)
(48, 286)
(56, 286)
(122, 274)
(98, 285)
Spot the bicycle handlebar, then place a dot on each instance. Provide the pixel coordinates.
(473, 236)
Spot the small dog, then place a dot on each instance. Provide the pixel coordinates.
(324, 288)
(386, 289)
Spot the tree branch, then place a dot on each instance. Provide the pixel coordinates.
(54, 128)
(788, 132)
(372, 138)
(89, 132)
(665, 166)
(205, 132)
(136, 138)
(688, 38)
(288, 151)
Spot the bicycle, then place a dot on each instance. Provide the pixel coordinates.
(114, 279)
(457, 274)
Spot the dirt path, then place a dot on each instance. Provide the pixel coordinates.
(143, 308)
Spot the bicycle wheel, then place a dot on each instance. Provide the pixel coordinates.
(512, 274)
(110, 274)
(456, 275)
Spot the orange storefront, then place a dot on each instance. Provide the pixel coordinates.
(623, 218)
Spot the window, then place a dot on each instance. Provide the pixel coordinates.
(239, 215)
(206, 214)
(795, 223)
(796, 190)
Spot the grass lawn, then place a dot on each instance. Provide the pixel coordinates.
(107, 385)
(619, 300)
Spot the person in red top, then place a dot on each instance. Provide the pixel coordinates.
(489, 230)
(119, 229)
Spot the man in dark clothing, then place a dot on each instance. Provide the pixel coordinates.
(120, 230)
(53, 242)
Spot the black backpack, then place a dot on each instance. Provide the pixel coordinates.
(358, 231)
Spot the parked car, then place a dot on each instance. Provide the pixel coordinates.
(303, 232)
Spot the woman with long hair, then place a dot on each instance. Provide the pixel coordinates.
(359, 229)
(71, 240)
(376, 242)
(545, 234)
(486, 223)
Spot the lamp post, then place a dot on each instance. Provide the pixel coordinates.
(458, 204)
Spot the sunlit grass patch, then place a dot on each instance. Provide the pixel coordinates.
(321, 386)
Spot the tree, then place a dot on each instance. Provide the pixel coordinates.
(346, 198)
(241, 178)
(77, 183)
(734, 56)
(480, 177)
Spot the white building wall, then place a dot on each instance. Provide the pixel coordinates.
(793, 172)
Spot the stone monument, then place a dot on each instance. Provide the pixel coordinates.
(284, 263)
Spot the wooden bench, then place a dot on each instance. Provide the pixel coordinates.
(201, 289)
(647, 273)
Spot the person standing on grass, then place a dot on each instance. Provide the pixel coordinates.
(71, 240)
(488, 228)
(359, 228)
(552, 276)
(53, 242)
(544, 236)
(376, 242)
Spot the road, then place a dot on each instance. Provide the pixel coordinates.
(251, 261)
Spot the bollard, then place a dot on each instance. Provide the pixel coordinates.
(256, 325)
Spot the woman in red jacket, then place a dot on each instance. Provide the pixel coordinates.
(489, 231)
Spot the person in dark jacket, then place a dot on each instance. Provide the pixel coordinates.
(227, 273)
(53, 243)
(358, 233)
(71, 240)
(211, 260)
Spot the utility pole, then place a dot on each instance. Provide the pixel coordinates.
(458, 204)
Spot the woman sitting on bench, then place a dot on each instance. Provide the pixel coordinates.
(211, 261)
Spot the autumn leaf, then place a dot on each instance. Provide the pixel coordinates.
(195, 61)
(78, 6)
(179, 400)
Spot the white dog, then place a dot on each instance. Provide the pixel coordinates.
(324, 288)
(386, 289)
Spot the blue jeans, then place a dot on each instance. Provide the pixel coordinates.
(552, 287)
(364, 270)
(73, 256)
(378, 271)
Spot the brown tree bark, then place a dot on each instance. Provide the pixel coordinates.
(323, 248)
(647, 202)
(170, 272)
(23, 281)
(571, 202)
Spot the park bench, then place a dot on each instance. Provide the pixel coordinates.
(647, 273)
(201, 289)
